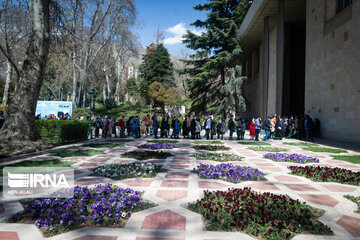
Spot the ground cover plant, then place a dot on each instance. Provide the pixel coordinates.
(211, 147)
(302, 144)
(348, 158)
(129, 170)
(156, 146)
(258, 214)
(256, 143)
(143, 155)
(103, 145)
(208, 142)
(75, 153)
(323, 149)
(267, 149)
(120, 140)
(294, 157)
(354, 200)
(38, 163)
(219, 157)
(103, 205)
(326, 174)
(163, 141)
(228, 172)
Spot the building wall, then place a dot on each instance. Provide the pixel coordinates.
(332, 85)
(272, 72)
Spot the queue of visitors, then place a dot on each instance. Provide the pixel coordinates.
(274, 127)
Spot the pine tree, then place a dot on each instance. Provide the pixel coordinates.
(217, 54)
(156, 67)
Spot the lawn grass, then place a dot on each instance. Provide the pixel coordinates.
(208, 142)
(255, 143)
(75, 153)
(42, 163)
(267, 149)
(103, 145)
(303, 144)
(51, 139)
(324, 149)
(348, 158)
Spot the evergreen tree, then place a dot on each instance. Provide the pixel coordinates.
(217, 54)
(156, 67)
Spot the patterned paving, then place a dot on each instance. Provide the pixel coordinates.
(171, 191)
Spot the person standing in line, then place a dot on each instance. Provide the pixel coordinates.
(155, 126)
(193, 127)
(122, 126)
(105, 127)
(197, 128)
(272, 127)
(252, 129)
(97, 127)
(231, 127)
(267, 126)
(208, 127)
(257, 128)
(222, 129)
(213, 128)
(111, 126)
(147, 123)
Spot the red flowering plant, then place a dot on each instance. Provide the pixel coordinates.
(264, 215)
(326, 174)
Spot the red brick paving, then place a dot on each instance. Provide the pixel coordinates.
(96, 237)
(89, 165)
(180, 162)
(157, 238)
(87, 181)
(271, 169)
(171, 195)
(284, 178)
(156, 161)
(264, 164)
(301, 187)
(337, 188)
(322, 199)
(211, 185)
(177, 175)
(139, 182)
(165, 220)
(179, 166)
(265, 186)
(174, 183)
(350, 224)
(5, 235)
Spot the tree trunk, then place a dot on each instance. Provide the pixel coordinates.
(74, 78)
(19, 128)
(7, 84)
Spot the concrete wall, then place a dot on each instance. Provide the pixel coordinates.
(272, 72)
(332, 85)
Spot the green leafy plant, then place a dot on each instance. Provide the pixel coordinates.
(323, 149)
(163, 141)
(348, 158)
(211, 147)
(355, 200)
(305, 144)
(267, 149)
(103, 145)
(258, 214)
(143, 155)
(75, 153)
(218, 157)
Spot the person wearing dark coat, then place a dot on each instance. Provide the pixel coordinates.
(267, 125)
(193, 128)
(185, 129)
(278, 129)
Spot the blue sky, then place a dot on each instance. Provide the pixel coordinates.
(173, 18)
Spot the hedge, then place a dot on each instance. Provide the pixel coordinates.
(66, 130)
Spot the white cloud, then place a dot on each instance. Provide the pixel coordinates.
(178, 31)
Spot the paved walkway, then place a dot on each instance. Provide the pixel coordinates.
(173, 190)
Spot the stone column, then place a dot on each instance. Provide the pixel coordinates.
(280, 45)
(265, 63)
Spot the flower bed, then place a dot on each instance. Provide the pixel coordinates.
(143, 155)
(156, 146)
(254, 143)
(219, 157)
(326, 174)
(323, 149)
(258, 214)
(267, 149)
(294, 157)
(211, 147)
(208, 142)
(75, 153)
(355, 200)
(129, 170)
(163, 141)
(103, 145)
(228, 172)
(103, 205)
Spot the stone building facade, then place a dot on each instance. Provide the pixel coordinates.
(303, 57)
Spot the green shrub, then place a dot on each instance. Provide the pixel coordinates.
(67, 131)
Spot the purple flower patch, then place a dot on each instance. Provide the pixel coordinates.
(294, 157)
(228, 172)
(157, 146)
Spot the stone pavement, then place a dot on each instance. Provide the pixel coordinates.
(173, 190)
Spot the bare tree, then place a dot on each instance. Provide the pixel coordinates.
(19, 127)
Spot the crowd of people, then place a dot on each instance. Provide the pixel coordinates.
(274, 127)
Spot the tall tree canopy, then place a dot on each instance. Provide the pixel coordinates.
(156, 67)
(212, 66)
